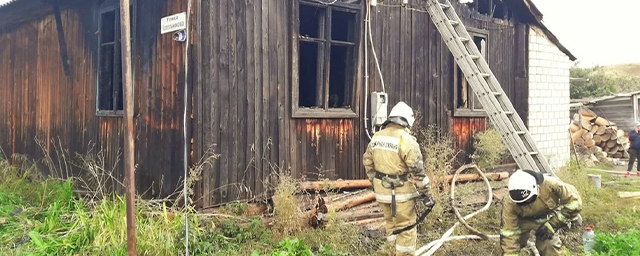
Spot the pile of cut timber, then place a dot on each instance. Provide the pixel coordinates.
(359, 207)
(597, 138)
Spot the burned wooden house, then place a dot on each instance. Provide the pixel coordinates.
(267, 84)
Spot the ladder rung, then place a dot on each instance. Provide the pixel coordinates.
(444, 6)
(475, 57)
(508, 113)
(453, 22)
(464, 39)
(533, 153)
(520, 133)
(485, 75)
(496, 93)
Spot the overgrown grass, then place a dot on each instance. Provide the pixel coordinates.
(488, 149)
(627, 243)
(43, 216)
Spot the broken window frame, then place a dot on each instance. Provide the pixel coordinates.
(113, 6)
(472, 109)
(325, 111)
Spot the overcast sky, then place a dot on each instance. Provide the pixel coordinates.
(595, 31)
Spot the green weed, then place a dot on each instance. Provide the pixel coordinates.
(627, 243)
(488, 149)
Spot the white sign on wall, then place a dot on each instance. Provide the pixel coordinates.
(173, 23)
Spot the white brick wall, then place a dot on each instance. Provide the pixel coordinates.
(549, 98)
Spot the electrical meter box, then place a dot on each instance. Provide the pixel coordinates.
(379, 102)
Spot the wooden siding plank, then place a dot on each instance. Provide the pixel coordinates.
(258, 146)
(224, 95)
(273, 84)
(250, 135)
(234, 103)
(241, 135)
(283, 119)
(265, 94)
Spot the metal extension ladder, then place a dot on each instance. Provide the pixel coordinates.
(496, 103)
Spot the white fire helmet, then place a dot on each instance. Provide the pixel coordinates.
(403, 110)
(522, 186)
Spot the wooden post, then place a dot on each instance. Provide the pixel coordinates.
(129, 147)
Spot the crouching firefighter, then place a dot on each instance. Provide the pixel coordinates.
(395, 167)
(539, 203)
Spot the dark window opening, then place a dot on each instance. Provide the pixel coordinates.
(501, 11)
(308, 66)
(343, 26)
(485, 6)
(327, 52)
(466, 97)
(339, 77)
(312, 21)
(110, 85)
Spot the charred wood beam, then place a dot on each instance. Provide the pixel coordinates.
(61, 42)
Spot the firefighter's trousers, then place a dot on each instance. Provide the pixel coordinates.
(405, 242)
(551, 247)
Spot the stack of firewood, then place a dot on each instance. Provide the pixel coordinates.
(596, 137)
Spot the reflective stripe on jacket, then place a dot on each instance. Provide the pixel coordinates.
(553, 194)
(394, 151)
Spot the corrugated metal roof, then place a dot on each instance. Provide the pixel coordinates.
(594, 100)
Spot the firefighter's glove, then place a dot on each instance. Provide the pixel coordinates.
(556, 223)
(423, 186)
(425, 201)
(545, 232)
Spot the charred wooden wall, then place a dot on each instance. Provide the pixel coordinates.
(244, 81)
(40, 102)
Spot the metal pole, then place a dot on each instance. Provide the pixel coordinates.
(129, 147)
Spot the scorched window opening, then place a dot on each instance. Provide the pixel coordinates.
(326, 56)
(110, 86)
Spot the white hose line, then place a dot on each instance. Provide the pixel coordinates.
(435, 245)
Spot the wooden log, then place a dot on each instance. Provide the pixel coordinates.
(312, 185)
(579, 142)
(601, 129)
(585, 125)
(576, 118)
(360, 199)
(587, 118)
(337, 184)
(623, 140)
(597, 149)
(587, 112)
(476, 177)
(577, 135)
(617, 155)
(620, 133)
(601, 121)
(597, 139)
(611, 144)
(606, 136)
(594, 129)
(587, 136)
(574, 127)
(614, 135)
(360, 215)
(629, 195)
(613, 150)
(367, 221)
(590, 143)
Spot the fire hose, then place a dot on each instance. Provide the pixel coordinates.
(435, 245)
